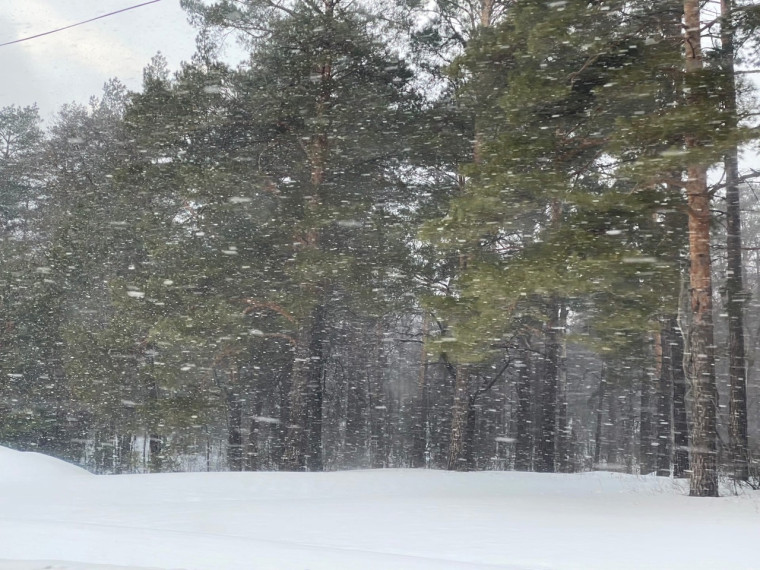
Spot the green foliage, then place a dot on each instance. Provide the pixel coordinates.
(570, 191)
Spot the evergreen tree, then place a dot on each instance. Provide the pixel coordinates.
(319, 83)
(734, 302)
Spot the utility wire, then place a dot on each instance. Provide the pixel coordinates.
(79, 23)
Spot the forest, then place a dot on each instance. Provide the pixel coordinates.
(447, 234)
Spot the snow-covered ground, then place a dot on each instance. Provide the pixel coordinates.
(56, 516)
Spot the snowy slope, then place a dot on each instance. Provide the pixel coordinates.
(16, 466)
(50, 511)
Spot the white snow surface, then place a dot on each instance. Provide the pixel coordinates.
(56, 516)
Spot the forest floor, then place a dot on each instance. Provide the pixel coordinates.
(56, 516)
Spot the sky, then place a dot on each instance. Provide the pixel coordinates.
(73, 65)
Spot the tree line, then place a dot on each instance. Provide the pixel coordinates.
(458, 234)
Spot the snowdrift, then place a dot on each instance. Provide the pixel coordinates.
(57, 516)
(19, 466)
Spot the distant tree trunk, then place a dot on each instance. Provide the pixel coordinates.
(546, 453)
(678, 382)
(155, 442)
(234, 434)
(315, 396)
(439, 417)
(234, 422)
(663, 423)
(253, 451)
(378, 411)
(701, 369)
(420, 419)
(613, 447)
(156, 447)
(303, 442)
(356, 420)
(564, 431)
(601, 394)
(294, 458)
(737, 373)
(628, 425)
(124, 464)
(460, 412)
(468, 454)
(279, 445)
(523, 444)
(103, 446)
(646, 433)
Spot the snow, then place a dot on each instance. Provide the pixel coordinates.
(56, 516)
(18, 467)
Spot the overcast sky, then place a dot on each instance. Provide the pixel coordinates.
(74, 64)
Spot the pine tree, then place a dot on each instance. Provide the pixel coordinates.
(318, 81)
(701, 369)
(738, 448)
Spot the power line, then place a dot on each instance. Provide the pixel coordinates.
(79, 23)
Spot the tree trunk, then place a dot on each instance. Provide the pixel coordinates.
(253, 457)
(486, 13)
(678, 382)
(279, 449)
(546, 456)
(564, 430)
(523, 416)
(303, 442)
(701, 358)
(600, 419)
(439, 417)
(460, 411)
(737, 372)
(646, 433)
(156, 447)
(124, 464)
(155, 442)
(613, 449)
(234, 431)
(469, 435)
(628, 425)
(315, 393)
(420, 420)
(378, 411)
(357, 395)
(663, 422)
